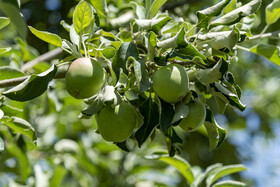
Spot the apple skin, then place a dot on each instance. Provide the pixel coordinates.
(195, 117)
(84, 78)
(171, 83)
(116, 124)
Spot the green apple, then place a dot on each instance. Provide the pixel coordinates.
(116, 124)
(195, 117)
(171, 83)
(84, 78)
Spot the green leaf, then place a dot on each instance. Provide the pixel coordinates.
(4, 22)
(166, 116)
(152, 43)
(207, 76)
(2, 145)
(12, 11)
(221, 172)
(237, 14)
(216, 134)
(230, 183)
(58, 175)
(149, 110)
(110, 95)
(93, 108)
(231, 97)
(33, 86)
(186, 54)
(172, 139)
(19, 125)
(7, 72)
(11, 111)
(126, 50)
(199, 180)
(220, 40)
(153, 24)
(141, 74)
(205, 15)
(47, 37)
(1, 114)
(230, 6)
(155, 7)
(108, 52)
(178, 162)
(270, 52)
(176, 41)
(83, 17)
(4, 50)
(100, 6)
(139, 10)
(181, 111)
(272, 12)
(123, 146)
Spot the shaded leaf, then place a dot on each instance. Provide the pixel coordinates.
(231, 97)
(139, 10)
(4, 22)
(141, 74)
(205, 15)
(176, 41)
(172, 139)
(216, 134)
(270, 52)
(186, 54)
(12, 11)
(181, 111)
(237, 14)
(125, 50)
(19, 125)
(166, 116)
(123, 146)
(58, 175)
(32, 87)
(153, 24)
(47, 37)
(149, 110)
(272, 12)
(7, 72)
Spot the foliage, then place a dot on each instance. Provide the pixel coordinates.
(131, 47)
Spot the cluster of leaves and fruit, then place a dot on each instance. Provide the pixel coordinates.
(152, 75)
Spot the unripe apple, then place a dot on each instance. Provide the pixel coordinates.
(171, 83)
(84, 78)
(195, 117)
(116, 124)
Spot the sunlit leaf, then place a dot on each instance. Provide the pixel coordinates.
(272, 12)
(4, 22)
(58, 175)
(223, 171)
(155, 7)
(2, 145)
(47, 37)
(139, 10)
(83, 16)
(19, 125)
(205, 15)
(178, 162)
(4, 50)
(237, 14)
(100, 6)
(270, 52)
(230, 183)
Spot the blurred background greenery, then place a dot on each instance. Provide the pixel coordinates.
(70, 153)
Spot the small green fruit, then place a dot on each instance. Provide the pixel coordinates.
(171, 83)
(195, 117)
(84, 78)
(116, 124)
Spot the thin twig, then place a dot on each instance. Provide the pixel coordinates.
(266, 35)
(16, 81)
(44, 57)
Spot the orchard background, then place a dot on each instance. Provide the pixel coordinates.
(49, 138)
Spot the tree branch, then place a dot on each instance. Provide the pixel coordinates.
(266, 35)
(16, 81)
(44, 57)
